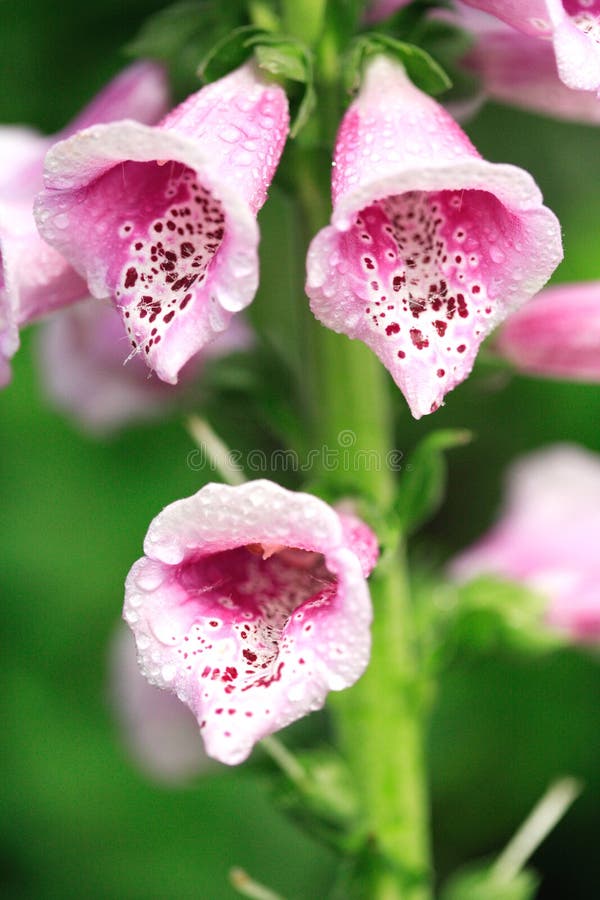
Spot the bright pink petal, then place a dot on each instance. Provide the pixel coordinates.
(251, 605)
(429, 246)
(533, 17)
(160, 733)
(34, 278)
(163, 220)
(548, 536)
(89, 373)
(557, 334)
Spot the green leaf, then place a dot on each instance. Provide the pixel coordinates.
(323, 800)
(423, 482)
(496, 612)
(420, 67)
(289, 58)
(284, 59)
(481, 883)
(230, 52)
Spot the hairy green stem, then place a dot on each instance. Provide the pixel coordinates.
(380, 721)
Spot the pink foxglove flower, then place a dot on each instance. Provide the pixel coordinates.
(557, 334)
(548, 537)
(160, 733)
(163, 220)
(251, 604)
(429, 246)
(87, 371)
(573, 27)
(34, 278)
(382, 9)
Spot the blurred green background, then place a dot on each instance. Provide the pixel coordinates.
(78, 819)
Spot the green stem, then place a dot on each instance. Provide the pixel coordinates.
(304, 19)
(380, 721)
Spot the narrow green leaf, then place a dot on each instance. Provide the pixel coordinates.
(229, 53)
(423, 482)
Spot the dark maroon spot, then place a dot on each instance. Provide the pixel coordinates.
(401, 354)
(158, 227)
(169, 316)
(417, 338)
(461, 348)
(187, 249)
(440, 373)
(394, 328)
(475, 288)
(440, 327)
(138, 245)
(249, 655)
(131, 277)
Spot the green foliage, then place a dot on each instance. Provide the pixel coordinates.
(482, 883)
(423, 482)
(420, 67)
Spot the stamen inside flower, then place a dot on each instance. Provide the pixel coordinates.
(430, 269)
(167, 230)
(248, 615)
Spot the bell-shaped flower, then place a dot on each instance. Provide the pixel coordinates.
(34, 278)
(163, 219)
(429, 245)
(87, 370)
(557, 334)
(251, 604)
(572, 26)
(547, 537)
(160, 733)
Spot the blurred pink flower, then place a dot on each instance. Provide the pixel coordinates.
(573, 27)
(429, 246)
(89, 372)
(557, 334)
(34, 278)
(520, 70)
(163, 220)
(548, 536)
(382, 9)
(160, 733)
(251, 604)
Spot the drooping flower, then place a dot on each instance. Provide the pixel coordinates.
(557, 334)
(160, 733)
(548, 537)
(88, 371)
(34, 278)
(573, 27)
(251, 604)
(163, 220)
(429, 246)
(520, 70)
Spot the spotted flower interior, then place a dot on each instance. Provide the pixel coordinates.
(164, 237)
(430, 270)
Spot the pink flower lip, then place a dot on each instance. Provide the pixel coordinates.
(163, 219)
(556, 334)
(547, 537)
(429, 246)
(251, 604)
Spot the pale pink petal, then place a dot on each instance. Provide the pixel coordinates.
(572, 25)
(557, 334)
(163, 220)
(429, 246)
(548, 536)
(251, 605)
(140, 92)
(88, 371)
(160, 733)
(34, 278)
(519, 70)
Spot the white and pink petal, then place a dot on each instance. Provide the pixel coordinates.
(251, 605)
(163, 220)
(429, 246)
